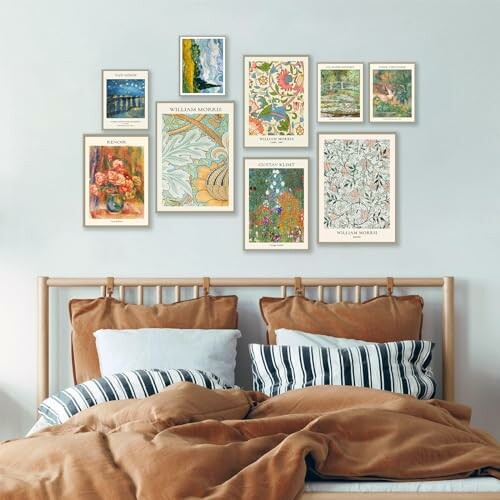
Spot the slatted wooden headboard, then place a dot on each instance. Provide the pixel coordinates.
(358, 285)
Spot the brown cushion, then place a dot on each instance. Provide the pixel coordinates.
(90, 315)
(381, 319)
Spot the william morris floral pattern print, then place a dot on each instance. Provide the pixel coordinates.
(276, 97)
(357, 184)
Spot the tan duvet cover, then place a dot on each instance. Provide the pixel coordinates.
(190, 442)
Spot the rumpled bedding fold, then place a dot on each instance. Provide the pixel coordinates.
(188, 442)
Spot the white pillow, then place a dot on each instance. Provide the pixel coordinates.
(298, 338)
(212, 351)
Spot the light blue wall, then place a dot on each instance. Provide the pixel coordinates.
(51, 55)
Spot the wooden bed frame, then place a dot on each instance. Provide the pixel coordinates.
(106, 286)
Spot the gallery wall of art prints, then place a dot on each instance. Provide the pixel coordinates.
(195, 169)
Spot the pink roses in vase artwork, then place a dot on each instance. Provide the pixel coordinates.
(117, 183)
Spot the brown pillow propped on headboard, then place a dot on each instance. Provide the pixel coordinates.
(90, 315)
(381, 319)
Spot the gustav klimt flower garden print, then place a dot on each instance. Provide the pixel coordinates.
(116, 186)
(196, 159)
(276, 90)
(357, 188)
(276, 204)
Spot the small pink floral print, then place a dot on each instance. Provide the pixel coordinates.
(357, 184)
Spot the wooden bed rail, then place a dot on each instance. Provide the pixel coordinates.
(373, 285)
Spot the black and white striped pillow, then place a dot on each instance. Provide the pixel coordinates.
(401, 367)
(135, 384)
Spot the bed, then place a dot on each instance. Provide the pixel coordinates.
(476, 487)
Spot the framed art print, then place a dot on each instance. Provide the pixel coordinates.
(357, 192)
(276, 101)
(195, 149)
(340, 92)
(116, 180)
(276, 204)
(392, 92)
(125, 99)
(202, 65)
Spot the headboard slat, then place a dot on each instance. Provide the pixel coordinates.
(159, 295)
(140, 294)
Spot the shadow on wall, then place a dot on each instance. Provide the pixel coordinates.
(11, 416)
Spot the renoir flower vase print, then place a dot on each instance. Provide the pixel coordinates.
(202, 65)
(340, 92)
(276, 101)
(194, 156)
(116, 180)
(276, 204)
(357, 188)
(392, 92)
(125, 99)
